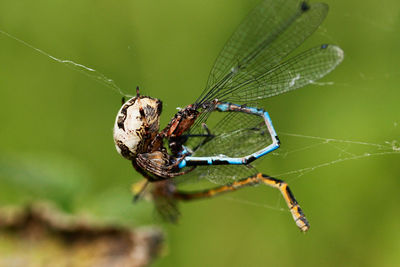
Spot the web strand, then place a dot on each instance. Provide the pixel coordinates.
(90, 72)
(373, 149)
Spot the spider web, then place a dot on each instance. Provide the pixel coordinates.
(343, 149)
(340, 150)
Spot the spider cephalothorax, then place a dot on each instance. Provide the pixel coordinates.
(137, 123)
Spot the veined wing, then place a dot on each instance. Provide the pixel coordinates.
(235, 135)
(266, 36)
(221, 174)
(249, 69)
(296, 72)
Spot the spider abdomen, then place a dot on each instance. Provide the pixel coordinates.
(136, 124)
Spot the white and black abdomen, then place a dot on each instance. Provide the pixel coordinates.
(136, 125)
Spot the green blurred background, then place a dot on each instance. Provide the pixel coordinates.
(56, 127)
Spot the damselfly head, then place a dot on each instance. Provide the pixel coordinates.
(137, 123)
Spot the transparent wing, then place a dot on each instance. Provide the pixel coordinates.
(235, 135)
(222, 174)
(165, 204)
(250, 69)
(267, 35)
(296, 72)
(218, 174)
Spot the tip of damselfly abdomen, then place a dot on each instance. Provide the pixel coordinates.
(300, 218)
(294, 207)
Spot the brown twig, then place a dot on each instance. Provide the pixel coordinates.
(41, 235)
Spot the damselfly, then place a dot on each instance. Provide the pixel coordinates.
(251, 67)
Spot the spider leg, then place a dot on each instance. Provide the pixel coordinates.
(158, 163)
(208, 137)
(297, 213)
(138, 189)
